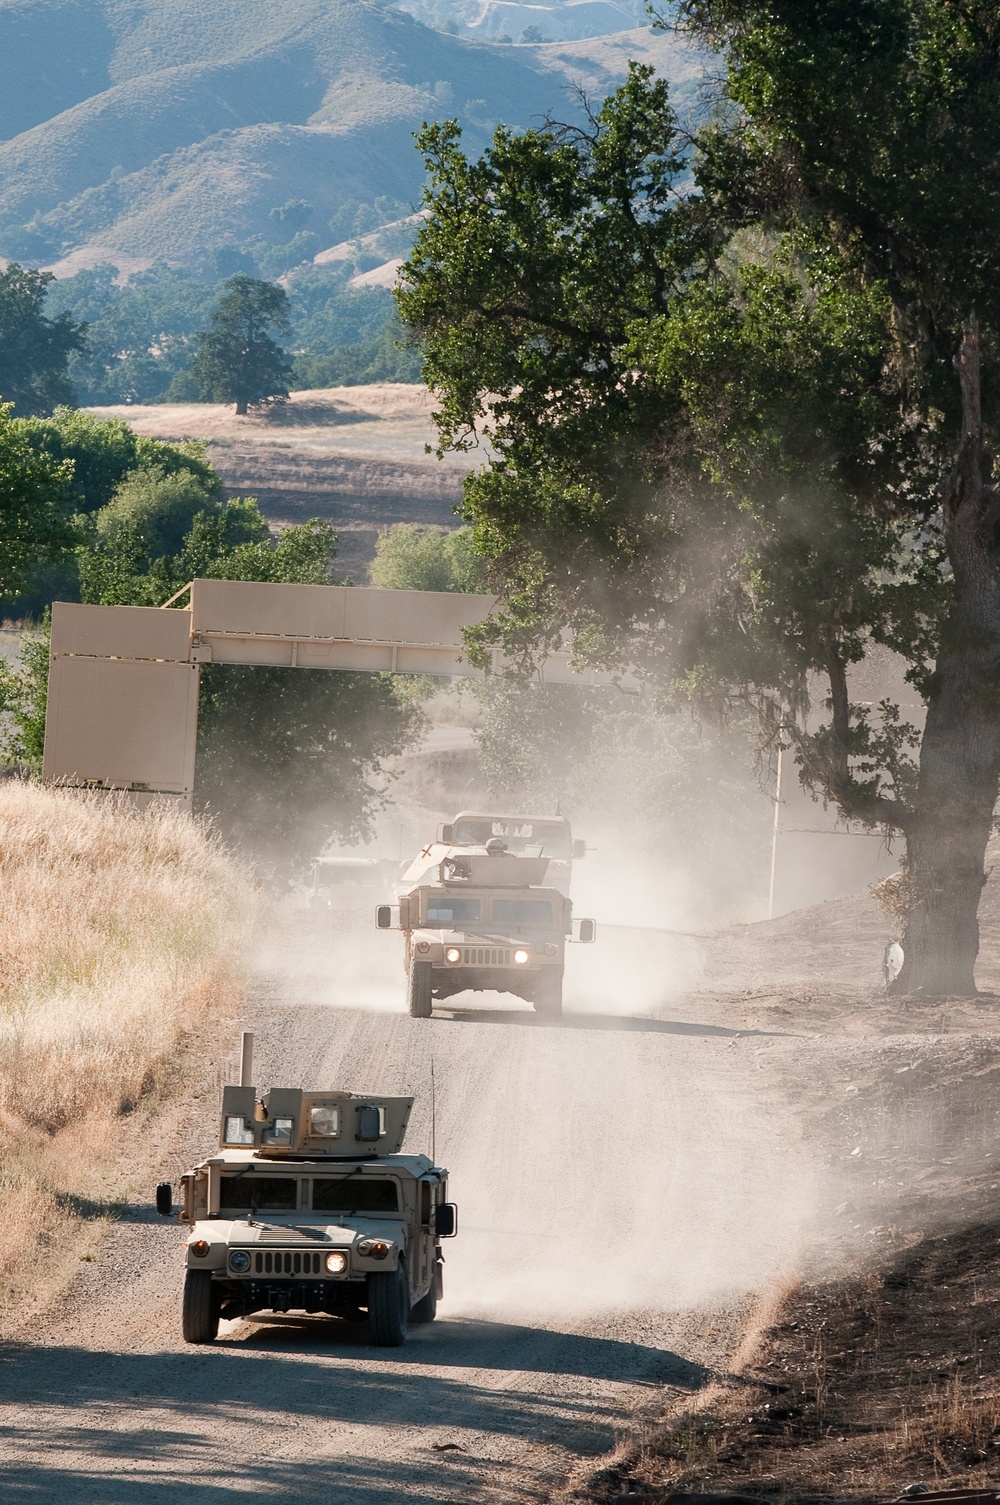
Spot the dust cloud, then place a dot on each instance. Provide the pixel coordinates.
(618, 1161)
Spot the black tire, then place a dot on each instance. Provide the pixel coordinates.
(426, 1309)
(419, 993)
(548, 999)
(388, 1308)
(200, 1310)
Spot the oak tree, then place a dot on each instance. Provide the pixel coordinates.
(237, 360)
(744, 429)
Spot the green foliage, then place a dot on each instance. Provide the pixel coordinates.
(409, 557)
(24, 688)
(103, 451)
(35, 505)
(275, 260)
(294, 212)
(237, 361)
(386, 358)
(139, 335)
(286, 756)
(880, 119)
(159, 508)
(160, 531)
(704, 464)
(34, 349)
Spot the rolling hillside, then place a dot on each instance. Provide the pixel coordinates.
(132, 130)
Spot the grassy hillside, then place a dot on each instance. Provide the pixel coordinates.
(173, 128)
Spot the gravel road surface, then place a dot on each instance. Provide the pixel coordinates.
(625, 1182)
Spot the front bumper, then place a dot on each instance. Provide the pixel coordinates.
(335, 1296)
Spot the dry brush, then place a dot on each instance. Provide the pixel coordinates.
(120, 931)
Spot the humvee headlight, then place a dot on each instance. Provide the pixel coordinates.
(373, 1248)
(200, 1248)
(239, 1261)
(336, 1263)
(453, 954)
(521, 956)
(423, 945)
(550, 949)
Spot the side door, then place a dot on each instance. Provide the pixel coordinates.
(423, 1261)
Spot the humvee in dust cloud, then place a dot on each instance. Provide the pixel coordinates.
(479, 918)
(309, 1206)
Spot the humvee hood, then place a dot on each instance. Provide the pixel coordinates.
(271, 1235)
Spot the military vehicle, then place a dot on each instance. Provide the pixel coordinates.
(340, 883)
(549, 835)
(309, 1206)
(479, 919)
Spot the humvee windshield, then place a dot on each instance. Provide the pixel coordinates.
(452, 909)
(258, 1194)
(552, 835)
(348, 1194)
(522, 911)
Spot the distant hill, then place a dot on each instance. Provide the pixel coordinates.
(138, 130)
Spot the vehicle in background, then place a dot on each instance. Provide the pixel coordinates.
(549, 835)
(350, 882)
(309, 1206)
(479, 918)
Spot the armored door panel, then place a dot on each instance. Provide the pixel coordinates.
(122, 722)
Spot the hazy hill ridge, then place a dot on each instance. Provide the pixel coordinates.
(172, 128)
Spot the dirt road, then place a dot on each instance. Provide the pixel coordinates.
(623, 1187)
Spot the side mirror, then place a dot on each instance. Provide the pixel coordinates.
(446, 834)
(588, 931)
(579, 850)
(383, 917)
(446, 1220)
(164, 1199)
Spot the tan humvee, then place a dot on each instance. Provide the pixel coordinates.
(479, 919)
(310, 1206)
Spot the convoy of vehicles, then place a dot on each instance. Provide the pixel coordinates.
(310, 1206)
(479, 918)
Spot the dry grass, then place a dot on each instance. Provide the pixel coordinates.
(119, 931)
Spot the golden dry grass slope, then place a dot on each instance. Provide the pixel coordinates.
(120, 930)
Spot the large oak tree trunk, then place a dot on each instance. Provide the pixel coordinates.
(950, 822)
(946, 845)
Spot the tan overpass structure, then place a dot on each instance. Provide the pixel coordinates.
(123, 680)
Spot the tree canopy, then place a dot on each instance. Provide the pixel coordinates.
(34, 349)
(35, 505)
(409, 557)
(731, 447)
(237, 360)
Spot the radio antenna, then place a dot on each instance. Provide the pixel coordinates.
(433, 1116)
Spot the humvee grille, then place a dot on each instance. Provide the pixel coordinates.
(286, 1262)
(483, 956)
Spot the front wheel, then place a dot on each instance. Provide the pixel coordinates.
(420, 998)
(548, 999)
(388, 1307)
(200, 1310)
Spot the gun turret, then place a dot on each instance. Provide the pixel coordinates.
(287, 1122)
